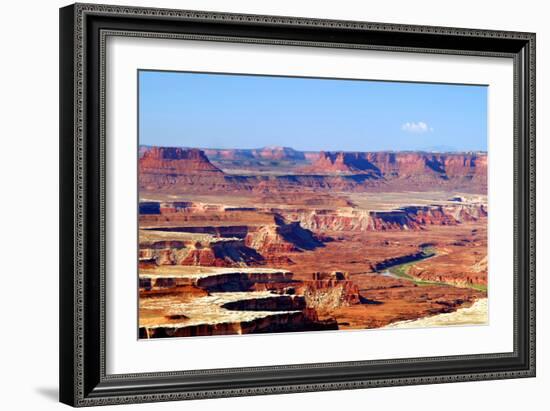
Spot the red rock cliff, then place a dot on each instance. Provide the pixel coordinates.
(402, 165)
(328, 162)
(173, 160)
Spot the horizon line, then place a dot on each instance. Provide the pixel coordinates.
(320, 151)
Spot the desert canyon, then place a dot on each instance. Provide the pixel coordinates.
(238, 241)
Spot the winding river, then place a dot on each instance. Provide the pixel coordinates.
(476, 314)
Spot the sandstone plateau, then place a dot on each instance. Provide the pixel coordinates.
(173, 160)
(177, 170)
(235, 241)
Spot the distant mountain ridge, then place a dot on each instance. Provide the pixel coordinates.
(405, 164)
(191, 170)
(288, 153)
(264, 153)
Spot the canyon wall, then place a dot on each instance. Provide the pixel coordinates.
(191, 171)
(174, 160)
(404, 218)
(403, 165)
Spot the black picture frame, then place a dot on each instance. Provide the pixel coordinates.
(83, 29)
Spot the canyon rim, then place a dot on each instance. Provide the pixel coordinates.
(281, 204)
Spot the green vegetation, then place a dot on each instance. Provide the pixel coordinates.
(479, 287)
(428, 252)
(402, 271)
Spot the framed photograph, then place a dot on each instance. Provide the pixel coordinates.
(261, 204)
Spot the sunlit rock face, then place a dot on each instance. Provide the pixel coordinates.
(229, 303)
(402, 165)
(175, 169)
(173, 160)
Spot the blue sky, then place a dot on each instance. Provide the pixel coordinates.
(241, 111)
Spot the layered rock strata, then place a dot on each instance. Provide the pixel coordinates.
(190, 171)
(230, 303)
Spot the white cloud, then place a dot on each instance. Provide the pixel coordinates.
(418, 127)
